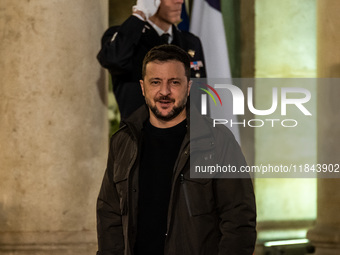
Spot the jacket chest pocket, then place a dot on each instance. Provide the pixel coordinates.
(121, 182)
(198, 195)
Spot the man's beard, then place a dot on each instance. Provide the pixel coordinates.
(176, 110)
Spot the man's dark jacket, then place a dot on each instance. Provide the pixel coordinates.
(205, 216)
(123, 50)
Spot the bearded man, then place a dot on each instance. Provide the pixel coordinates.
(148, 204)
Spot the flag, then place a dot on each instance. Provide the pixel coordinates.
(207, 23)
(184, 24)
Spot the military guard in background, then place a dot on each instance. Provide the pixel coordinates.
(124, 47)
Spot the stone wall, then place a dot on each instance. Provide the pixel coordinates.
(53, 125)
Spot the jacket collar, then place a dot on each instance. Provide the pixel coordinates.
(136, 120)
(161, 31)
(152, 38)
(177, 39)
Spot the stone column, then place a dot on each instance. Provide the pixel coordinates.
(53, 125)
(326, 234)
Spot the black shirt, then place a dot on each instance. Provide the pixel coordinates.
(160, 148)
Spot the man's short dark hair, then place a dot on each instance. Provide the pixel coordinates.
(165, 53)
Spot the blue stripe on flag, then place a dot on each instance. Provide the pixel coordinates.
(216, 4)
(184, 25)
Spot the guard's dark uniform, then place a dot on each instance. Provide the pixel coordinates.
(123, 50)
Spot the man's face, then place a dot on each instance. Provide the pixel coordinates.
(166, 89)
(170, 11)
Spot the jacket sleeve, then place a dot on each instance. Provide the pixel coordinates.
(235, 201)
(109, 221)
(118, 44)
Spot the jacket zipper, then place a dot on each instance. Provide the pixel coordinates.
(184, 151)
(186, 196)
(129, 190)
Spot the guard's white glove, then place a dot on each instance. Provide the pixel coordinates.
(148, 7)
